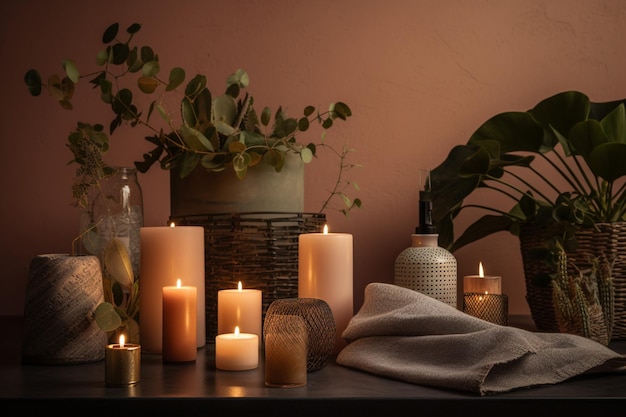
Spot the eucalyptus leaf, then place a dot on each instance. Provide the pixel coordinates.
(117, 262)
(106, 317)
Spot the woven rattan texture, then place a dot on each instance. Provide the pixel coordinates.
(258, 249)
(608, 239)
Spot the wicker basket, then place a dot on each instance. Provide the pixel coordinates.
(259, 249)
(607, 239)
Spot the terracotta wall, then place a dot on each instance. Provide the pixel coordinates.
(419, 75)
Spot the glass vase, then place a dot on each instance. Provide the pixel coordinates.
(115, 210)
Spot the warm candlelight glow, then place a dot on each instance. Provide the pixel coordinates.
(178, 283)
(325, 229)
(239, 287)
(481, 272)
(172, 224)
(236, 331)
(122, 340)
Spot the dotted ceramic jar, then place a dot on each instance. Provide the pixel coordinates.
(428, 268)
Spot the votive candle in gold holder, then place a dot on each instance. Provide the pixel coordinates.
(493, 308)
(122, 363)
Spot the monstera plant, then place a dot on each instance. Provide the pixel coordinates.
(560, 166)
(581, 148)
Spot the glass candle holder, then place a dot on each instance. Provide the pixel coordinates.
(285, 345)
(493, 308)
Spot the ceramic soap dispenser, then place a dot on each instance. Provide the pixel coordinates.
(425, 266)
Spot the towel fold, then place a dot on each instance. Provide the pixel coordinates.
(402, 334)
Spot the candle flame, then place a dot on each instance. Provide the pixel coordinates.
(172, 224)
(122, 340)
(325, 229)
(481, 272)
(178, 283)
(236, 331)
(239, 288)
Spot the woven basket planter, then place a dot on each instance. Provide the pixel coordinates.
(608, 240)
(259, 249)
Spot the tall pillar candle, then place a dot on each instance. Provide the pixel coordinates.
(240, 308)
(168, 254)
(325, 262)
(179, 323)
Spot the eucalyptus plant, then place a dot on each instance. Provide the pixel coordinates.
(218, 133)
(525, 156)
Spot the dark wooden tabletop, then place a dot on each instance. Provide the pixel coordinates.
(200, 389)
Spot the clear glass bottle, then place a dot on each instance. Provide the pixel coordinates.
(115, 209)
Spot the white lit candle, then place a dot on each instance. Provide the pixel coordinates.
(168, 253)
(325, 272)
(179, 323)
(481, 283)
(240, 308)
(236, 351)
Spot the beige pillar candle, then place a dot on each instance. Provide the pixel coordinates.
(169, 254)
(325, 272)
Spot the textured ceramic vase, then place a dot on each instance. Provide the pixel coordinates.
(428, 268)
(61, 297)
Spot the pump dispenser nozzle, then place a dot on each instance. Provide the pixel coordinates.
(426, 226)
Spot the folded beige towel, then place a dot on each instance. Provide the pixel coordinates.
(403, 334)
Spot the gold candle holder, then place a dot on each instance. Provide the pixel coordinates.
(122, 363)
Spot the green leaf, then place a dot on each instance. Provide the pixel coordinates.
(481, 228)
(110, 33)
(119, 53)
(102, 58)
(195, 140)
(224, 112)
(106, 317)
(274, 158)
(266, 115)
(607, 161)
(176, 78)
(309, 110)
(614, 124)
(303, 124)
(306, 155)
(147, 54)
(71, 71)
(117, 263)
(134, 28)
(33, 82)
(150, 68)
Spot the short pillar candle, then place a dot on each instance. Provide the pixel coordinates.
(236, 351)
